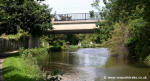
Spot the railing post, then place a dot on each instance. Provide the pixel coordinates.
(67, 17)
(85, 16)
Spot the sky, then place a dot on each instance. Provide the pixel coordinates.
(71, 6)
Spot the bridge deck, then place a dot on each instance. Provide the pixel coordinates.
(73, 27)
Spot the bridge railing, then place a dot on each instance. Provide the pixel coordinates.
(76, 16)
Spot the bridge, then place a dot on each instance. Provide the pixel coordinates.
(74, 23)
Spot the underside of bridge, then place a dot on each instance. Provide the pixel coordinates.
(82, 31)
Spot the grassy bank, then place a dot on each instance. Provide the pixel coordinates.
(16, 69)
(29, 65)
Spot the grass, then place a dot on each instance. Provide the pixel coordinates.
(16, 69)
(27, 65)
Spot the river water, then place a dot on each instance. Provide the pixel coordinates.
(95, 64)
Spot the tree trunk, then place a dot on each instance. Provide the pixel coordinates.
(34, 41)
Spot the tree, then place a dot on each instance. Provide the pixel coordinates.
(92, 15)
(135, 16)
(28, 15)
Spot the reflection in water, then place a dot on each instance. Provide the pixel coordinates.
(92, 64)
(91, 56)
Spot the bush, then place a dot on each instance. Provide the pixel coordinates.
(138, 38)
(103, 31)
(35, 56)
(116, 42)
(33, 52)
(21, 35)
(39, 58)
(147, 60)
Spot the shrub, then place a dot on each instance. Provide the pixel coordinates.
(138, 38)
(147, 60)
(33, 51)
(116, 42)
(38, 57)
(103, 31)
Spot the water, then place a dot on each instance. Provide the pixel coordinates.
(94, 64)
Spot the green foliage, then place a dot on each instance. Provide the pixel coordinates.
(65, 18)
(139, 38)
(103, 31)
(145, 4)
(35, 56)
(44, 43)
(116, 42)
(116, 11)
(72, 39)
(28, 15)
(32, 52)
(74, 47)
(56, 42)
(16, 69)
(147, 60)
(40, 57)
(87, 37)
(59, 42)
(96, 4)
(135, 16)
(91, 14)
(136, 28)
(20, 35)
(64, 42)
(24, 68)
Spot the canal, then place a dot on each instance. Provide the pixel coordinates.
(95, 64)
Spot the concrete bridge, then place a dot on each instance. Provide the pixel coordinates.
(77, 23)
